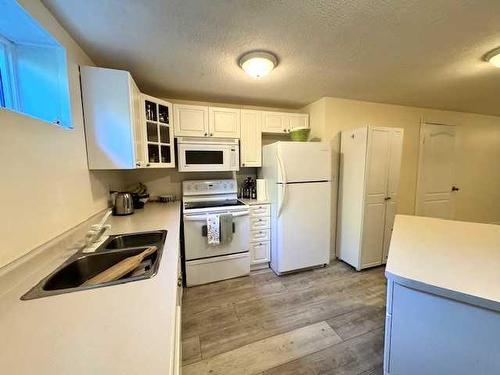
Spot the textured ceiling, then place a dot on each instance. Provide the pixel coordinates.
(424, 53)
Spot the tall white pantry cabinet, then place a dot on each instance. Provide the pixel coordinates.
(370, 162)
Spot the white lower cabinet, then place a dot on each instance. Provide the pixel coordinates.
(260, 252)
(260, 235)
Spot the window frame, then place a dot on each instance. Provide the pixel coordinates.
(9, 75)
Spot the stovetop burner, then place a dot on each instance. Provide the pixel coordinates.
(208, 204)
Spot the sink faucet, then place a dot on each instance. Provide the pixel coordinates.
(97, 230)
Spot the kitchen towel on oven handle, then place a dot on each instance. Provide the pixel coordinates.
(213, 230)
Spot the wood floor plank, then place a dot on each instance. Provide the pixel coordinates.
(191, 350)
(268, 353)
(242, 333)
(358, 322)
(231, 314)
(379, 370)
(351, 357)
(208, 320)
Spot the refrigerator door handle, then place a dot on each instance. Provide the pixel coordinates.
(284, 184)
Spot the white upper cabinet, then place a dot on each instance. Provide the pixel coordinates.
(224, 122)
(123, 128)
(158, 133)
(251, 138)
(274, 122)
(281, 122)
(204, 121)
(297, 121)
(190, 120)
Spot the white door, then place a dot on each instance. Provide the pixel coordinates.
(304, 161)
(379, 143)
(297, 121)
(251, 138)
(436, 189)
(274, 122)
(395, 151)
(303, 227)
(190, 120)
(224, 122)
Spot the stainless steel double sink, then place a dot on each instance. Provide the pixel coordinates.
(80, 267)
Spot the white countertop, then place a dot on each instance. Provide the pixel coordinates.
(120, 329)
(459, 260)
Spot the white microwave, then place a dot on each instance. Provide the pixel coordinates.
(208, 154)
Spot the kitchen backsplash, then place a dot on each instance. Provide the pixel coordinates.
(164, 181)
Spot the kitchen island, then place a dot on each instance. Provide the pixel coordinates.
(443, 298)
(131, 328)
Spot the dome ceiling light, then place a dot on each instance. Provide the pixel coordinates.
(257, 64)
(493, 57)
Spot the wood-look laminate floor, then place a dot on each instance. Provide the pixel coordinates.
(324, 321)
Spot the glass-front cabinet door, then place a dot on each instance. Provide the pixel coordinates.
(157, 120)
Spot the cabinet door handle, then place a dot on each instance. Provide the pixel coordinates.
(455, 188)
(206, 134)
(242, 164)
(211, 134)
(387, 198)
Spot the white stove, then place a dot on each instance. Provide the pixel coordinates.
(207, 263)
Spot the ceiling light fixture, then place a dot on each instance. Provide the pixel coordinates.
(493, 57)
(258, 63)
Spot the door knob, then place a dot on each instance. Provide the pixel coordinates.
(455, 188)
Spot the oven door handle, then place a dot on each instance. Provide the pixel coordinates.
(204, 217)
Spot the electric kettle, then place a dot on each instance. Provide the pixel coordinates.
(123, 204)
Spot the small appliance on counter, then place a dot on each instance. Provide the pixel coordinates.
(139, 195)
(261, 189)
(248, 189)
(123, 204)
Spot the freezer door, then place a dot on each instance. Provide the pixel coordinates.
(303, 227)
(304, 161)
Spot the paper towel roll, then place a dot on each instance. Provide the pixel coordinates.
(261, 189)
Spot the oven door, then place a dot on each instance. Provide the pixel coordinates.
(195, 238)
(207, 157)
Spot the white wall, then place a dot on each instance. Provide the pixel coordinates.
(46, 188)
(478, 149)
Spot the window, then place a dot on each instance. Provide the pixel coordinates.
(33, 68)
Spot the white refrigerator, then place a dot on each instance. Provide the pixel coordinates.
(299, 183)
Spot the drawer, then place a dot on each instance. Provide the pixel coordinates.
(260, 235)
(260, 252)
(260, 210)
(257, 223)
